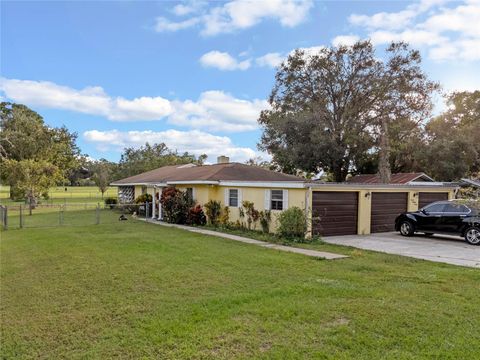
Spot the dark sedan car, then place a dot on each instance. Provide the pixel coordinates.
(442, 217)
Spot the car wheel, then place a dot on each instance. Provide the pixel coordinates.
(472, 235)
(406, 228)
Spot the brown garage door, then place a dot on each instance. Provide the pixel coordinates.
(425, 198)
(386, 206)
(334, 213)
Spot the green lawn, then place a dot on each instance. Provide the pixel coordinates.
(137, 290)
(73, 193)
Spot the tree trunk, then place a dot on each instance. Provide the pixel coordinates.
(338, 173)
(384, 171)
(32, 202)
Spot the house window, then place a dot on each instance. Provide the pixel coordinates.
(144, 190)
(276, 200)
(190, 193)
(233, 197)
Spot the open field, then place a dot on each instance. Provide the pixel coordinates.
(73, 193)
(136, 290)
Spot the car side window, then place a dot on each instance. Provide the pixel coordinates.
(435, 208)
(456, 208)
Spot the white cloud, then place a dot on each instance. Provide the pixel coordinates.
(312, 50)
(446, 33)
(223, 61)
(195, 142)
(271, 60)
(188, 8)
(90, 100)
(214, 110)
(239, 14)
(164, 25)
(395, 20)
(347, 40)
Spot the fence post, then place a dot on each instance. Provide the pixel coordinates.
(4, 216)
(97, 214)
(21, 217)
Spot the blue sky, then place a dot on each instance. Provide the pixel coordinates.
(195, 74)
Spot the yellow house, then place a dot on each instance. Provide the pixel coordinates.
(358, 207)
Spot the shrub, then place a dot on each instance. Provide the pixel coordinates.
(196, 216)
(292, 224)
(265, 218)
(225, 217)
(142, 199)
(252, 214)
(111, 202)
(176, 205)
(214, 209)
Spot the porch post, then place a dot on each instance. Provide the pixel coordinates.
(160, 215)
(154, 201)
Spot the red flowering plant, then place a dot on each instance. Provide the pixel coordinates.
(196, 216)
(176, 205)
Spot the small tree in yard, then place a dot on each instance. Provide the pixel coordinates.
(102, 171)
(32, 177)
(292, 224)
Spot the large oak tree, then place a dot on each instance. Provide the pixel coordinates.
(330, 110)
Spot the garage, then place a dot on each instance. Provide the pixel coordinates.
(386, 206)
(334, 213)
(425, 198)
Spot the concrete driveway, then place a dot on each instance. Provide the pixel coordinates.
(446, 249)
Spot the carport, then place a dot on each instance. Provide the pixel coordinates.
(349, 209)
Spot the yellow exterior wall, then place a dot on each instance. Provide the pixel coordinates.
(302, 197)
(138, 191)
(204, 193)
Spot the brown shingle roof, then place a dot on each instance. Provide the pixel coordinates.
(400, 178)
(217, 172)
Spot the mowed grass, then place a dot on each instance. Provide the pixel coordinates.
(58, 194)
(71, 214)
(137, 290)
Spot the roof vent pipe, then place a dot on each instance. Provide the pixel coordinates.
(223, 159)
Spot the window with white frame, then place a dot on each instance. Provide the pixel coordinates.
(233, 197)
(276, 200)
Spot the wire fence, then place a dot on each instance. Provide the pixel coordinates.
(72, 214)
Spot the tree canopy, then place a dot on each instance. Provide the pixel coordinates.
(330, 110)
(34, 155)
(453, 138)
(148, 157)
